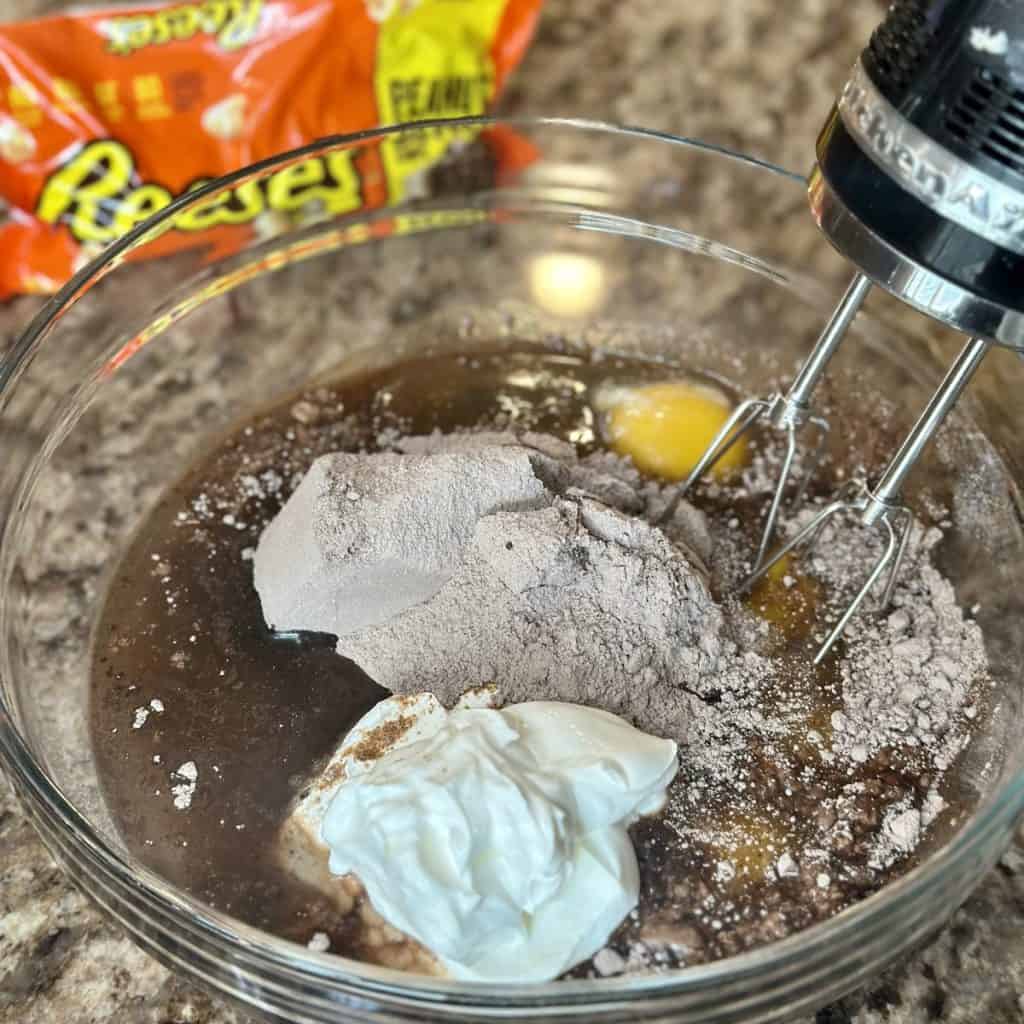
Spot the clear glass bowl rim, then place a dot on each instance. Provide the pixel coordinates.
(52, 813)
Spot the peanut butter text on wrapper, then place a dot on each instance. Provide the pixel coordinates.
(83, 153)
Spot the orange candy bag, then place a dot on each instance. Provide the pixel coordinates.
(107, 114)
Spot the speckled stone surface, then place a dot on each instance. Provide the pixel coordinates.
(757, 75)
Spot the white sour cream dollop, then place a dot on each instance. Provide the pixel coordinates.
(497, 838)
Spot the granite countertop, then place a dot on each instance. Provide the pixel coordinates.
(756, 75)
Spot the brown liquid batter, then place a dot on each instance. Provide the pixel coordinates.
(182, 626)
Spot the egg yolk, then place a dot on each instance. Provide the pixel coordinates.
(666, 428)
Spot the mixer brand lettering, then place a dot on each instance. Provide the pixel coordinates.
(876, 129)
(98, 195)
(233, 23)
(968, 196)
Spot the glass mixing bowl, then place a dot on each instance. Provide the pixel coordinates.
(569, 236)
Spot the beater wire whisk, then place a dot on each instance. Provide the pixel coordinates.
(787, 412)
(880, 506)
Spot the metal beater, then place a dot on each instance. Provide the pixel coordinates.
(919, 182)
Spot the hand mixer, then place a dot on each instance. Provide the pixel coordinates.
(919, 182)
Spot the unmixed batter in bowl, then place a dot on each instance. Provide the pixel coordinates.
(799, 790)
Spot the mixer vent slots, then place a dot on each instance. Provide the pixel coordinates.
(898, 46)
(989, 118)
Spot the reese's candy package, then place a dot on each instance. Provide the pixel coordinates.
(107, 114)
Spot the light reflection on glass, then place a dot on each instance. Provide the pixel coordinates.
(569, 284)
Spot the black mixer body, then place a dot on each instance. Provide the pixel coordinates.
(920, 168)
